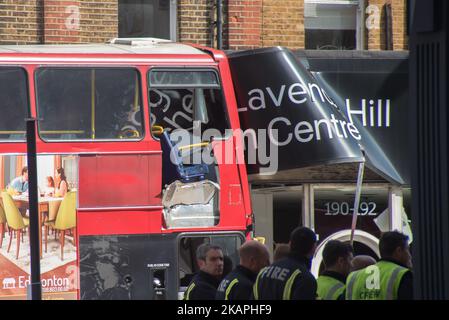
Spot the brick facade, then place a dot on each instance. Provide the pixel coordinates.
(264, 23)
(245, 19)
(247, 23)
(376, 35)
(21, 21)
(194, 21)
(98, 20)
(80, 21)
(399, 12)
(283, 23)
(57, 21)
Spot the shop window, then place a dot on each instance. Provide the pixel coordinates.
(334, 208)
(287, 205)
(332, 24)
(147, 18)
(89, 104)
(13, 103)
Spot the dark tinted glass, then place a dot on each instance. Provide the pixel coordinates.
(144, 18)
(204, 79)
(13, 103)
(89, 103)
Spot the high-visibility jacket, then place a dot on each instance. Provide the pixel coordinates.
(377, 282)
(329, 288)
(237, 285)
(287, 279)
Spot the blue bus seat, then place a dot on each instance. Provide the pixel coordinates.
(172, 166)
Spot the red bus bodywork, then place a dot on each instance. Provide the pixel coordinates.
(104, 207)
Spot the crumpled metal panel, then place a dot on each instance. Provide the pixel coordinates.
(178, 193)
(191, 204)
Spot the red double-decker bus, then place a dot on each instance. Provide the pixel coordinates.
(136, 161)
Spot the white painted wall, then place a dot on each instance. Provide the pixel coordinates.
(45, 167)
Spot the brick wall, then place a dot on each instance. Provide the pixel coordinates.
(57, 21)
(265, 23)
(194, 21)
(98, 20)
(283, 23)
(59, 24)
(399, 12)
(245, 24)
(375, 36)
(21, 21)
(80, 21)
(375, 30)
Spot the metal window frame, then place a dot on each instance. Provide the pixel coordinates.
(28, 99)
(88, 67)
(173, 20)
(360, 17)
(198, 234)
(194, 68)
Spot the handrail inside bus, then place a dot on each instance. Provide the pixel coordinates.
(195, 145)
(157, 130)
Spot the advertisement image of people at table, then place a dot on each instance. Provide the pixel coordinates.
(57, 189)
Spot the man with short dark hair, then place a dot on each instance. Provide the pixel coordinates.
(20, 184)
(388, 279)
(290, 278)
(205, 283)
(238, 284)
(337, 258)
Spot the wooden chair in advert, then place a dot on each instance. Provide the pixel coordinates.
(65, 220)
(2, 225)
(14, 219)
(50, 216)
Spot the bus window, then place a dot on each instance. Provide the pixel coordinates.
(174, 96)
(230, 243)
(89, 103)
(187, 110)
(13, 103)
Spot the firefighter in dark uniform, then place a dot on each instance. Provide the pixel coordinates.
(337, 258)
(205, 283)
(290, 278)
(390, 278)
(238, 284)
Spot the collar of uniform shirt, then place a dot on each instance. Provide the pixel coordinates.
(301, 258)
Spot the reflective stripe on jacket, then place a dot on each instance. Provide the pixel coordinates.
(287, 279)
(377, 282)
(329, 288)
(237, 285)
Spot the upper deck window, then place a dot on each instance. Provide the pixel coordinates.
(184, 79)
(184, 99)
(89, 103)
(13, 103)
